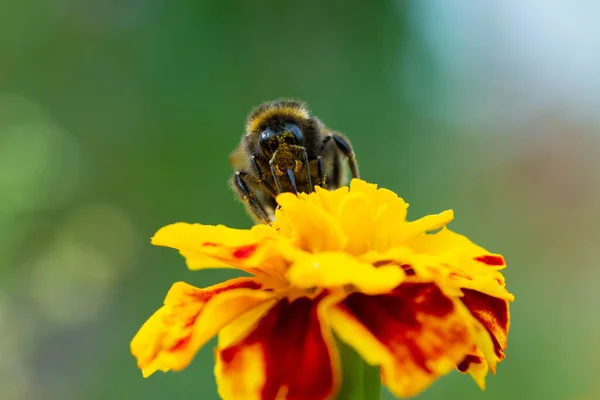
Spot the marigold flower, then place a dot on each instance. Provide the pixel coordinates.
(417, 303)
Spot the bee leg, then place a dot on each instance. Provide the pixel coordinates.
(344, 146)
(260, 177)
(321, 172)
(274, 173)
(243, 191)
(308, 177)
(292, 180)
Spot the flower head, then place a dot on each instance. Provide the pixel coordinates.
(413, 297)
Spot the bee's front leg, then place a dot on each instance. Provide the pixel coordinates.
(239, 182)
(307, 167)
(260, 178)
(274, 173)
(343, 145)
(321, 173)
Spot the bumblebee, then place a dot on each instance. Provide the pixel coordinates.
(285, 149)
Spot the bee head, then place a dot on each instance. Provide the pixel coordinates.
(270, 139)
(278, 123)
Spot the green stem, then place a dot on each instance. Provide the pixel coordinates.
(360, 381)
(371, 382)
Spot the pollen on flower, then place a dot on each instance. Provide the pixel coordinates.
(413, 297)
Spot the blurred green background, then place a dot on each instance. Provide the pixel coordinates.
(117, 117)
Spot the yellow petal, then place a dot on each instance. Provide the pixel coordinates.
(356, 218)
(329, 200)
(184, 236)
(422, 225)
(360, 186)
(204, 246)
(311, 227)
(390, 218)
(336, 269)
(446, 242)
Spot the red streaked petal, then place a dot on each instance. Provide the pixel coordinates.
(491, 260)
(469, 359)
(189, 318)
(204, 246)
(415, 333)
(475, 365)
(289, 353)
(493, 314)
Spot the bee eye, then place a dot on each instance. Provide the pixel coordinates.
(295, 130)
(265, 144)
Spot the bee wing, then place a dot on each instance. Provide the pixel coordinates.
(238, 158)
